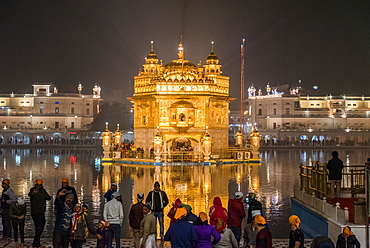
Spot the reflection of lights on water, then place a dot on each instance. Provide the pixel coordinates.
(181, 188)
(97, 164)
(4, 163)
(56, 161)
(347, 159)
(18, 160)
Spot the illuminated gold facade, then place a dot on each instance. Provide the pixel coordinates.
(180, 101)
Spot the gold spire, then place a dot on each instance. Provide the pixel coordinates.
(212, 48)
(180, 54)
(151, 47)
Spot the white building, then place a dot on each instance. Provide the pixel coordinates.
(46, 110)
(293, 118)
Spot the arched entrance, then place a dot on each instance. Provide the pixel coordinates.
(183, 149)
(181, 144)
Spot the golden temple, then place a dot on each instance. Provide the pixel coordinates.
(181, 105)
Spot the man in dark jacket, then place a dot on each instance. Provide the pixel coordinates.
(158, 200)
(135, 217)
(181, 233)
(255, 207)
(67, 190)
(236, 214)
(335, 166)
(108, 194)
(6, 199)
(38, 197)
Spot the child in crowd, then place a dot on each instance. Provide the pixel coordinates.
(103, 236)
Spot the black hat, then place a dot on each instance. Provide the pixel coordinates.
(157, 184)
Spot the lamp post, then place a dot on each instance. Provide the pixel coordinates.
(206, 146)
(157, 147)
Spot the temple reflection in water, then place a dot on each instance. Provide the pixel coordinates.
(194, 185)
(273, 180)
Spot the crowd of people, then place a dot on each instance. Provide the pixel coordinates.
(220, 227)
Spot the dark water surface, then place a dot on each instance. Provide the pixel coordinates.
(273, 181)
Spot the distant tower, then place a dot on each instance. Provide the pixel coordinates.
(97, 99)
(80, 86)
(96, 91)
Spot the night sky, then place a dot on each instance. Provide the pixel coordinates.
(324, 43)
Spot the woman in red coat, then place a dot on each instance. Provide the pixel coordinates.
(218, 214)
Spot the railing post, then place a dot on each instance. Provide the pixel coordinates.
(313, 196)
(323, 204)
(337, 206)
(325, 180)
(346, 215)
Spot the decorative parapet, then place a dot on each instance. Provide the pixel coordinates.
(323, 207)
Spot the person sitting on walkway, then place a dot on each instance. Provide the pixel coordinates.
(347, 239)
(296, 237)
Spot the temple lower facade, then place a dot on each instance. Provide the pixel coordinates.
(180, 106)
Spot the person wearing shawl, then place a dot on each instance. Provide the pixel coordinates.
(157, 198)
(228, 239)
(296, 237)
(205, 232)
(81, 225)
(148, 228)
(347, 239)
(102, 234)
(171, 213)
(264, 236)
(218, 215)
(181, 233)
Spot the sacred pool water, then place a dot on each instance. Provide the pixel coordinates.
(273, 180)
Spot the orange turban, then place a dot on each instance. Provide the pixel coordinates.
(347, 231)
(258, 219)
(39, 181)
(294, 220)
(180, 212)
(65, 180)
(203, 216)
(6, 181)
